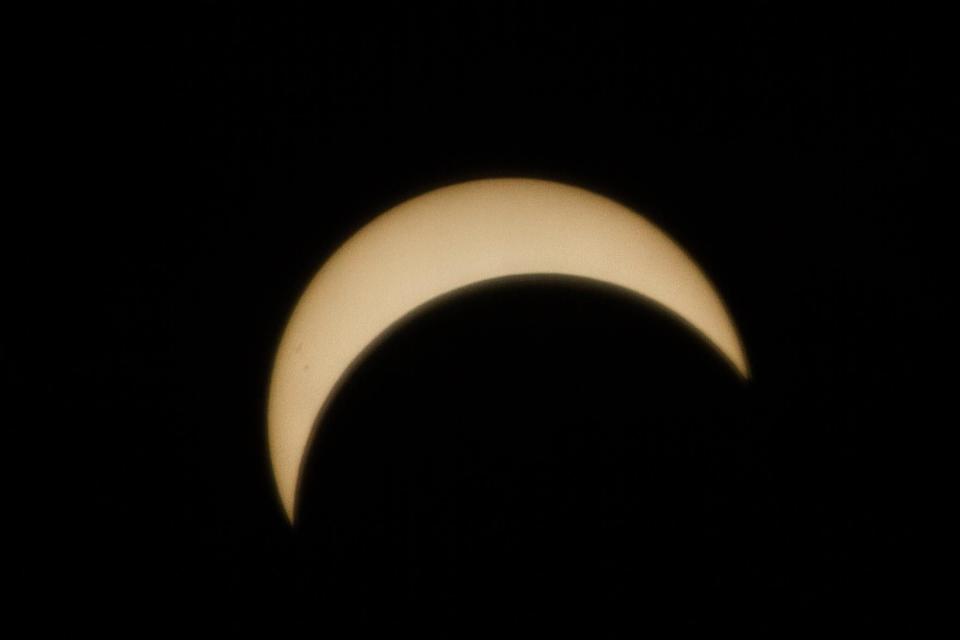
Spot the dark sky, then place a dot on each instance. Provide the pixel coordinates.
(538, 457)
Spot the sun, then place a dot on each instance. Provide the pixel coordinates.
(451, 238)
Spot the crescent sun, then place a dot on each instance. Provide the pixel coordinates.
(451, 238)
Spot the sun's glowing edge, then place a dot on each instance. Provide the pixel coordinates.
(452, 238)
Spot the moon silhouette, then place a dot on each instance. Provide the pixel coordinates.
(451, 238)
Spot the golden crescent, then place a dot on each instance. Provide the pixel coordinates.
(451, 238)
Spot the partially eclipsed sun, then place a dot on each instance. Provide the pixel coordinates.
(451, 238)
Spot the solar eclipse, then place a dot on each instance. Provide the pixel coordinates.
(446, 240)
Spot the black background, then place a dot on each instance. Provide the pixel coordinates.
(541, 456)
